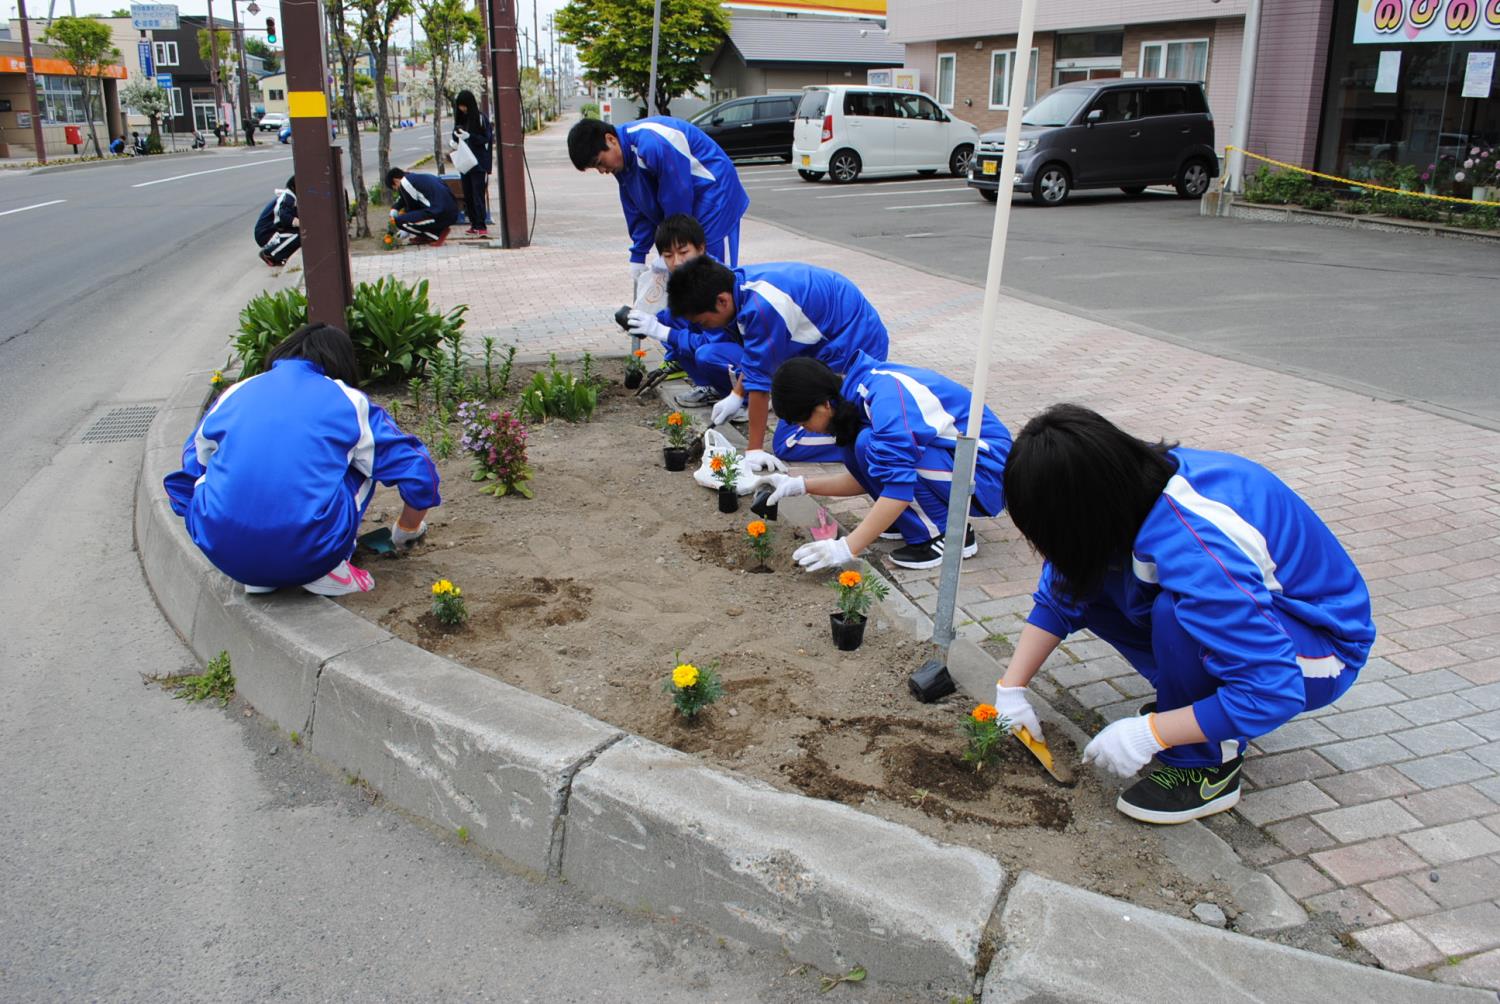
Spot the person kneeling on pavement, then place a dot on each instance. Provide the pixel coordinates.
(423, 207)
(277, 476)
(1216, 581)
(897, 427)
(278, 231)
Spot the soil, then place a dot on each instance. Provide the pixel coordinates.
(619, 569)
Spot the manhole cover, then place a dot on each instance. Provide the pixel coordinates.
(121, 425)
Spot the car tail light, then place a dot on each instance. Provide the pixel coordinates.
(827, 128)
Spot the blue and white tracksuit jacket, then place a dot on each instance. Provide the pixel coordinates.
(1237, 600)
(276, 228)
(672, 166)
(913, 420)
(424, 205)
(277, 476)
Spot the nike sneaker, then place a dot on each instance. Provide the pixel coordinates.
(342, 581)
(1177, 794)
(930, 554)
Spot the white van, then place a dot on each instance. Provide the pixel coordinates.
(844, 132)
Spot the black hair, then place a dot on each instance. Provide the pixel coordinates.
(327, 346)
(469, 120)
(679, 228)
(392, 176)
(801, 384)
(586, 141)
(694, 287)
(1078, 488)
(291, 184)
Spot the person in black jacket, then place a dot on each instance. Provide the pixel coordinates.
(424, 209)
(472, 127)
(278, 231)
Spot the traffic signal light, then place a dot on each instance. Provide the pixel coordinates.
(271, 30)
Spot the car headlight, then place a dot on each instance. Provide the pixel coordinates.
(1025, 144)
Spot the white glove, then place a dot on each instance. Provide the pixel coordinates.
(786, 487)
(637, 269)
(402, 537)
(393, 214)
(1124, 747)
(1013, 706)
(644, 325)
(822, 554)
(761, 462)
(727, 407)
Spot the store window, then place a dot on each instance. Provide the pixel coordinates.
(946, 67)
(166, 53)
(60, 99)
(1178, 60)
(1001, 61)
(176, 101)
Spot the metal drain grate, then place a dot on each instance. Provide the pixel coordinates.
(121, 425)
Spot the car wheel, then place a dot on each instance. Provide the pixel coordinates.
(844, 166)
(810, 175)
(1192, 179)
(1132, 189)
(990, 195)
(961, 158)
(1051, 186)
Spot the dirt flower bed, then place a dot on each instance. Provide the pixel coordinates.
(589, 593)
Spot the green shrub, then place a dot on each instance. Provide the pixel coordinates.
(589, 110)
(1276, 187)
(396, 334)
(1482, 218)
(558, 394)
(264, 324)
(377, 194)
(1318, 199)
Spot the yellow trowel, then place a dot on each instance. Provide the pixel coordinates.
(1061, 772)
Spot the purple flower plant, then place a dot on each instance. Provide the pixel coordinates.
(497, 439)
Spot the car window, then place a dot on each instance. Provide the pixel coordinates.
(914, 106)
(1057, 108)
(869, 103)
(774, 108)
(1123, 105)
(1165, 100)
(814, 105)
(733, 114)
(930, 110)
(1196, 102)
(882, 104)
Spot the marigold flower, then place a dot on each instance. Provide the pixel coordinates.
(756, 528)
(442, 587)
(716, 463)
(640, 353)
(218, 377)
(675, 418)
(984, 713)
(850, 579)
(684, 676)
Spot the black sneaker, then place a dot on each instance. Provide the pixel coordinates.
(930, 554)
(1177, 794)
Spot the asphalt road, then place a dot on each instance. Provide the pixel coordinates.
(1408, 318)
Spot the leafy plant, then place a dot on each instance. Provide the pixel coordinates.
(265, 323)
(216, 682)
(692, 688)
(725, 468)
(497, 385)
(857, 594)
(855, 975)
(635, 362)
(557, 393)
(498, 442)
(983, 729)
(377, 192)
(679, 429)
(1276, 187)
(395, 332)
(589, 110)
(448, 603)
(760, 541)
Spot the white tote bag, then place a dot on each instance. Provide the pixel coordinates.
(715, 444)
(464, 160)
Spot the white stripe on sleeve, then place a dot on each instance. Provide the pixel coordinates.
(802, 330)
(679, 142)
(1228, 522)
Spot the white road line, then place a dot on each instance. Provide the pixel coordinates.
(866, 195)
(812, 185)
(39, 205)
(215, 170)
(931, 205)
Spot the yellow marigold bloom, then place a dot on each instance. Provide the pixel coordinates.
(684, 676)
(756, 528)
(984, 713)
(218, 377)
(716, 463)
(640, 353)
(442, 587)
(675, 418)
(850, 579)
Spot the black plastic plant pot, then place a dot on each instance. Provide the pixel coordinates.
(848, 635)
(729, 500)
(675, 457)
(761, 506)
(931, 682)
(633, 379)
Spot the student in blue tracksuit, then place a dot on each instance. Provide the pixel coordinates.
(278, 231)
(277, 476)
(422, 206)
(1216, 581)
(777, 311)
(897, 427)
(665, 166)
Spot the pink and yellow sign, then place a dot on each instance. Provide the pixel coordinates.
(858, 8)
(1388, 22)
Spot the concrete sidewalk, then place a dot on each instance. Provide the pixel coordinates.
(1384, 810)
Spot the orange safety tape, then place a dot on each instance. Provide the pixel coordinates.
(1362, 184)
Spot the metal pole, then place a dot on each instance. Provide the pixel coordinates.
(655, 43)
(510, 133)
(1240, 135)
(239, 37)
(968, 444)
(213, 71)
(36, 114)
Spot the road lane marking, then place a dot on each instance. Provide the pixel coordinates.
(866, 195)
(931, 205)
(39, 205)
(884, 184)
(214, 170)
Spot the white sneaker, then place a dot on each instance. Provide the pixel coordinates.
(698, 397)
(741, 417)
(892, 535)
(342, 581)
(259, 589)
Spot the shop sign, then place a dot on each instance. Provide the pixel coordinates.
(1386, 22)
(153, 16)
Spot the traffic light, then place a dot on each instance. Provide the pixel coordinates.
(271, 30)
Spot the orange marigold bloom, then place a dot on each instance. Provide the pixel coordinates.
(640, 353)
(985, 713)
(675, 418)
(850, 579)
(756, 528)
(716, 463)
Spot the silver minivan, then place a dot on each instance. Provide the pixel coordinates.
(1124, 134)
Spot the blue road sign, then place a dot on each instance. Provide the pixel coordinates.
(143, 56)
(164, 81)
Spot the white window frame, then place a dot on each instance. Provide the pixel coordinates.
(1161, 57)
(176, 102)
(160, 50)
(1009, 54)
(952, 58)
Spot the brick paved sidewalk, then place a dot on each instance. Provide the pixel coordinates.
(1385, 809)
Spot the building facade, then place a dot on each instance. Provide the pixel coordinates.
(60, 101)
(769, 53)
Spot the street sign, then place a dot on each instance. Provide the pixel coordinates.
(164, 81)
(153, 16)
(143, 57)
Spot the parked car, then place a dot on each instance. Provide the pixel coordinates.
(845, 132)
(1124, 134)
(752, 127)
(272, 122)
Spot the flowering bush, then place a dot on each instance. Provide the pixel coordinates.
(725, 468)
(693, 689)
(857, 594)
(497, 439)
(679, 429)
(448, 603)
(760, 540)
(1479, 168)
(983, 729)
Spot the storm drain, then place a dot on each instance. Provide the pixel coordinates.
(121, 425)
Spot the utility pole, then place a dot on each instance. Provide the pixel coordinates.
(655, 44)
(36, 114)
(505, 79)
(213, 71)
(239, 37)
(320, 189)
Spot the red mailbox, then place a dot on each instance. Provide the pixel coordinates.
(72, 135)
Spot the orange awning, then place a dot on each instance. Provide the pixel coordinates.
(55, 67)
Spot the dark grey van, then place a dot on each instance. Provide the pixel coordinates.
(1124, 134)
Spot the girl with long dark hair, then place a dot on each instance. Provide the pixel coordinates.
(472, 128)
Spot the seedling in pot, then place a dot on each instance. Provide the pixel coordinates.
(679, 430)
(726, 468)
(856, 595)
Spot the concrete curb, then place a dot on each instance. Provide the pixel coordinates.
(564, 795)
(1239, 209)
